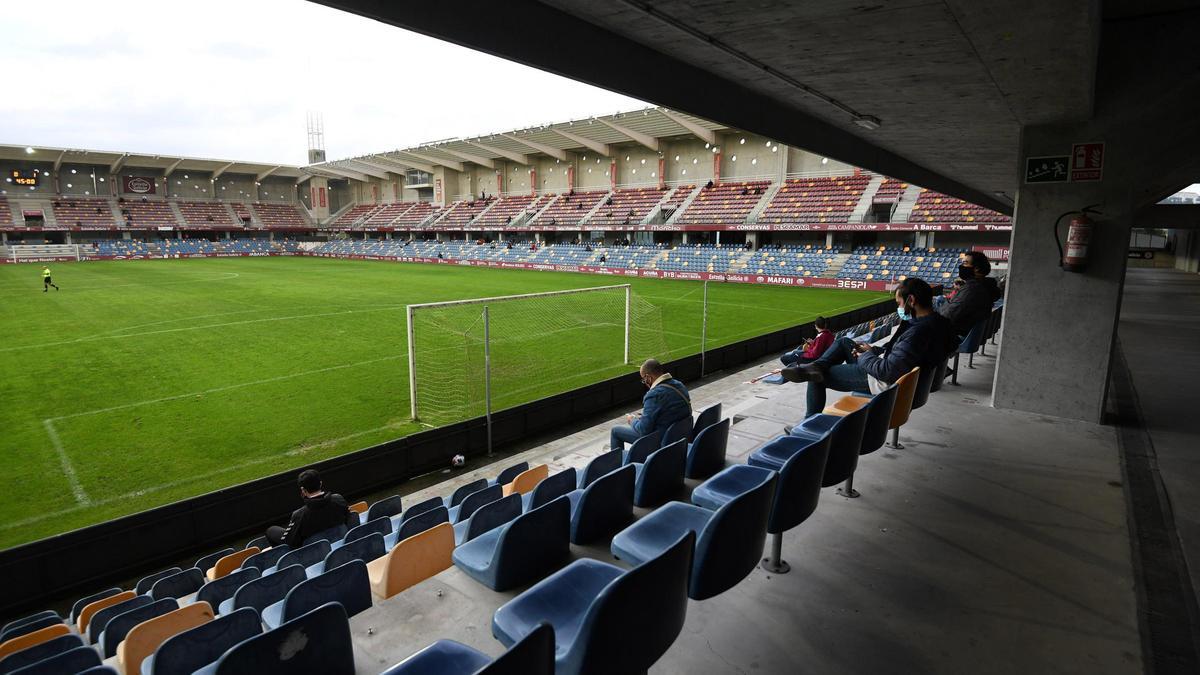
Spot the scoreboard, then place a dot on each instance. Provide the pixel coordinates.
(25, 177)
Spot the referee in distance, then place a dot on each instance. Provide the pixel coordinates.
(46, 282)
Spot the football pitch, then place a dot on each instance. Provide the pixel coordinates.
(144, 382)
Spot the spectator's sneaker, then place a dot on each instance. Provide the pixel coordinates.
(803, 373)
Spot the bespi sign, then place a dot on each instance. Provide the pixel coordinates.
(138, 185)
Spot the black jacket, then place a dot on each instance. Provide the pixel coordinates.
(318, 513)
(971, 304)
(924, 342)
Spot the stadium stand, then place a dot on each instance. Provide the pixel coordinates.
(146, 214)
(417, 214)
(806, 260)
(206, 214)
(627, 206)
(815, 200)
(355, 215)
(890, 191)
(8, 214)
(724, 203)
(242, 213)
(73, 211)
(934, 265)
(461, 213)
(933, 207)
(509, 208)
(279, 215)
(388, 213)
(569, 208)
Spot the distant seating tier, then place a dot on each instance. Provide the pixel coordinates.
(724, 204)
(627, 206)
(876, 263)
(569, 208)
(279, 215)
(82, 212)
(934, 207)
(206, 214)
(828, 199)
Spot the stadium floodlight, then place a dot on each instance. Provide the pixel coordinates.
(29, 150)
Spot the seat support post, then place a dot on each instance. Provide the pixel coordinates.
(971, 360)
(895, 444)
(847, 490)
(954, 375)
(776, 563)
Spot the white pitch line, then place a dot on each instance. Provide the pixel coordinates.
(68, 470)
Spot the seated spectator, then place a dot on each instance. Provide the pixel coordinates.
(813, 348)
(321, 511)
(666, 402)
(924, 338)
(973, 302)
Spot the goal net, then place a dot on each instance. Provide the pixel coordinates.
(470, 357)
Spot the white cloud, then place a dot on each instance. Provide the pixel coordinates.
(234, 80)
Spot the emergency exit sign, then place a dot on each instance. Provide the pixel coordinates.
(1087, 161)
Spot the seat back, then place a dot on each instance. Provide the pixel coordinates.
(706, 456)
(642, 447)
(267, 559)
(178, 585)
(973, 339)
(414, 560)
(316, 642)
(144, 638)
(636, 618)
(381, 525)
(119, 625)
(217, 591)
(553, 487)
(45, 650)
(365, 549)
(192, 649)
(506, 476)
(328, 535)
(304, 556)
(731, 545)
(906, 389)
(527, 480)
(533, 655)
(605, 506)
(29, 624)
(37, 637)
(265, 591)
(144, 584)
(89, 610)
(358, 507)
(84, 602)
(600, 465)
(463, 492)
(681, 429)
(231, 562)
(384, 508)
(205, 562)
(662, 475)
(535, 544)
(939, 377)
(100, 619)
(40, 616)
(75, 660)
(258, 542)
(799, 486)
(879, 416)
(422, 521)
(924, 387)
(847, 435)
(477, 499)
(422, 507)
(707, 417)
(345, 584)
(493, 515)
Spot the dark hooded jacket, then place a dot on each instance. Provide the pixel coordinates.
(319, 513)
(971, 304)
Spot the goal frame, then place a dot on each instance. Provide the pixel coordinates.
(412, 355)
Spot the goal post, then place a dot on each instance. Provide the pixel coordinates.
(468, 357)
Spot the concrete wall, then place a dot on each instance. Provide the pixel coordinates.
(236, 187)
(747, 156)
(191, 185)
(552, 173)
(802, 161)
(687, 161)
(637, 166)
(592, 172)
(274, 189)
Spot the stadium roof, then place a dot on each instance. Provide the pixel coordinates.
(166, 163)
(593, 134)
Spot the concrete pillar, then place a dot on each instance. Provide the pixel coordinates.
(752, 239)
(828, 240)
(1059, 326)
(1187, 251)
(318, 196)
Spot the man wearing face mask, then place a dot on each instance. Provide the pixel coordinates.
(972, 302)
(666, 402)
(924, 338)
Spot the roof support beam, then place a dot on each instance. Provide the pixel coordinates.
(507, 154)
(58, 162)
(217, 174)
(594, 146)
(430, 159)
(116, 166)
(266, 173)
(642, 139)
(550, 150)
(388, 168)
(403, 162)
(706, 135)
(338, 172)
(355, 165)
(466, 156)
(171, 169)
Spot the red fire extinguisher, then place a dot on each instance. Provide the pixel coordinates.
(1079, 237)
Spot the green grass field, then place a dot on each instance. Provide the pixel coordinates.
(145, 382)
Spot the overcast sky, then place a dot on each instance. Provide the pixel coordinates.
(227, 79)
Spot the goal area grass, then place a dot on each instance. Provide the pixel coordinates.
(144, 382)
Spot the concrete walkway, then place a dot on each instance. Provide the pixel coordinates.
(994, 542)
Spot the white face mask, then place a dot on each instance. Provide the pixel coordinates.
(903, 313)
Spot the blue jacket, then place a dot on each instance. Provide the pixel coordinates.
(924, 342)
(665, 404)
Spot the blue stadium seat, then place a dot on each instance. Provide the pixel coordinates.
(875, 429)
(279, 652)
(193, 649)
(506, 476)
(81, 603)
(600, 465)
(847, 433)
(45, 650)
(487, 517)
(329, 536)
(261, 543)
(640, 449)
(729, 540)
(528, 548)
(463, 492)
(533, 655)
(473, 501)
(264, 591)
(384, 508)
(969, 345)
(216, 592)
(309, 554)
(660, 478)
(681, 429)
(205, 563)
(101, 618)
(381, 525)
(118, 626)
(797, 493)
(265, 560)
(146, 583)
(416, 525)
(706, 454)
(29, 624)
(365, 549)
(77, 660)
(550, 488)
(178, 585)
(420, 507)
(707, 417)
(605, 620)
(602, 508)
(346, 584)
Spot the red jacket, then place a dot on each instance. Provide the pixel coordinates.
(819, 344)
